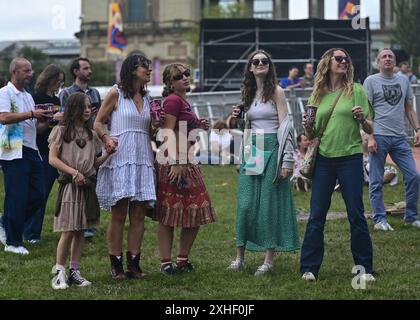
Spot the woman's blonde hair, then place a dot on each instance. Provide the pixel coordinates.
(172, 70)
(322, 76)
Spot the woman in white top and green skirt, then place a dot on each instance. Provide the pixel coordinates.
(266, 216)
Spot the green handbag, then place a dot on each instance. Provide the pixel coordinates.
(256, 161)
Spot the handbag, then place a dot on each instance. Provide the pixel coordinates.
(257, 161)
(308, 162)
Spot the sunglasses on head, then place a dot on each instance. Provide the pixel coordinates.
(263, 61)
(186, 73)
(341, 59)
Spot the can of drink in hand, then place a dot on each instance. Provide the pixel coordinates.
(311, 114)
(242, 111)
(45, 106)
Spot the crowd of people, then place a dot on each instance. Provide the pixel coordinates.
(101, 155)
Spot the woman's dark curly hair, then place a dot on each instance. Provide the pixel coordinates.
(129, 65)
(249, 84)
(73, 113)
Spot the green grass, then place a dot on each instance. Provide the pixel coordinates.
(396, 259)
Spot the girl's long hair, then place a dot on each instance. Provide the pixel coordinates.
(249, 84)
(171, 70)
(127, 78)
(322, 76)
(73, 113)
(47, 77)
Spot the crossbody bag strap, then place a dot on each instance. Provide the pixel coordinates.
(321, 132)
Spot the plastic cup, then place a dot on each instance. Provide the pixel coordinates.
(311, 114)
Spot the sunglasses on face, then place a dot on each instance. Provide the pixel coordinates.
(186, 73)
(341, 59)
(256, 62)
(144, 64)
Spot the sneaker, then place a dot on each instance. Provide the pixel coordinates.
(308, 276)
(76, 278)
(263, 269)
(60, 280)
(368, 277)
(35, 241)
(237, 264)
(384, 226)
(17, 250)
(414, 223)
(2, 234)
(88, 233)
(186, 267)
(168, 269)
(53, 270)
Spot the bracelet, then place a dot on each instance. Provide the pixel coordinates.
(363, 121)
(75, 175)
(32, 115)
(103, 135)
(416, 129)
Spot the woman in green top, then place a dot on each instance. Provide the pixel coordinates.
(339, 157)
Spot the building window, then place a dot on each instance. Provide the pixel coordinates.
(226, 3)
(263, 9)
(139, 10)
(298, 9)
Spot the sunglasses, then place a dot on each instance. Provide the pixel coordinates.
(186, 73)
(263, 61)
(341, 59)
(144, 63)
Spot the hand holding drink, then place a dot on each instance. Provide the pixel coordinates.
(238, 111)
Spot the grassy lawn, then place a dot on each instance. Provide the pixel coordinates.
(396, 260)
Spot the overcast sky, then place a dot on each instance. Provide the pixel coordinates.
(59, 19)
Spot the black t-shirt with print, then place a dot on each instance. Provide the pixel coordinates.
(42, 138)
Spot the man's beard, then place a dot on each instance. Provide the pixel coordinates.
(85, 79)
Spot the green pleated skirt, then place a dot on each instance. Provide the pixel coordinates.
(266, 215)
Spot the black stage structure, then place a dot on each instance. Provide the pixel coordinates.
(226, 43)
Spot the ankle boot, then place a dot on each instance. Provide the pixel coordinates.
(117, 270)
(133, 266)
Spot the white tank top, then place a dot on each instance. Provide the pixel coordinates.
(263, 116)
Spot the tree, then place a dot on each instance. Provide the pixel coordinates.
(407, 28)
(232, 11)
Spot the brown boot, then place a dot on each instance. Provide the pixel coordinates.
(133, 266)
(117, 270)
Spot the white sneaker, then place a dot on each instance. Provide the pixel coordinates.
(414, 223)
(384, 226)
(3, 236)
(308, 276)
(368, 277)
(60, 280)
(23, 250)
(17, 250)
(263, 269)
(237, 264)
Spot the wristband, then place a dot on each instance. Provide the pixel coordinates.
(75, 175)
(103, 135)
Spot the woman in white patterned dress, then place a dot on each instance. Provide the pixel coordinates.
(126, 181)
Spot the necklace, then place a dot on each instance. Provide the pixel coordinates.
(80, 141)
